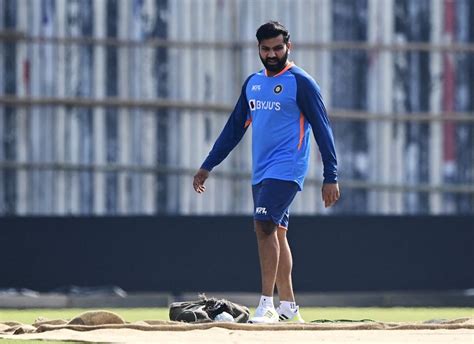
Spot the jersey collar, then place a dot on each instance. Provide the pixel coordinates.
(291, 64)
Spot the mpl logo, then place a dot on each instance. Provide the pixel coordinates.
(261, 210)
(256, 87)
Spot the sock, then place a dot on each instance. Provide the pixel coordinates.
(288, 305)
(266, 301)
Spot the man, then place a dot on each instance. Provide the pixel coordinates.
(283, 103)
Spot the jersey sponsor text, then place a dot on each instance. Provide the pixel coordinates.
(264, 105)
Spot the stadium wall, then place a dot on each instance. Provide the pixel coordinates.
(185, 254)
(391, 73)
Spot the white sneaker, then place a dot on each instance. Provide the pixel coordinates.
(264, 315)
(289, 315)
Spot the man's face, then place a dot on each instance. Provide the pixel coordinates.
(274, 53)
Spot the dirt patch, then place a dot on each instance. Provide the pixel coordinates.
(103, 326)
(221, 335)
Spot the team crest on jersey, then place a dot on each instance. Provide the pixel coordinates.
(277, 89)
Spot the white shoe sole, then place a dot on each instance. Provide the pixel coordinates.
(262, 320)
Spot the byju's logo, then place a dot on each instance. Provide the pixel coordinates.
(252, 104)
(261, 210)
(256, 87)
(264, 105)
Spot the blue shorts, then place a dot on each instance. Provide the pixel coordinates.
(272, 199)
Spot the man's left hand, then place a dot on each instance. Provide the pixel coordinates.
(330, 194)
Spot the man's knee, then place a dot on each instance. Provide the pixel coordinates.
(267, 227)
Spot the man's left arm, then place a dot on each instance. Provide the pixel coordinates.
(311, 104)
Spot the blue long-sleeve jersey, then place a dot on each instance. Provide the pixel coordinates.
(282, 109)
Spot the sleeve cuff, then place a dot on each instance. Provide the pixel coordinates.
(206, 166)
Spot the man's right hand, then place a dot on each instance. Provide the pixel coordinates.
(199, 179)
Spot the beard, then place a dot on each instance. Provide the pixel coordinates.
(275, 67)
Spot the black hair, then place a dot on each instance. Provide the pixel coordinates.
(272, 29)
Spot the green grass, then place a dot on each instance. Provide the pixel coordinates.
(28, 316)
(386, 314)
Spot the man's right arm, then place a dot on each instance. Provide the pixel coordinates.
(231, 135)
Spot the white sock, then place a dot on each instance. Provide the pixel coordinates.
(266, 301)
(288, 305)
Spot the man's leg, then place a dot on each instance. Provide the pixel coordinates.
(271, 198)
(285, 265)
(288, 310)
(268, 252)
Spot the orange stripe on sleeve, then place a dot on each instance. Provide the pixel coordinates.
(301, 130)
(247, 122)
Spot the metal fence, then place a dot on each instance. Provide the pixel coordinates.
(109, 107)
